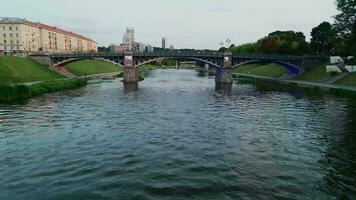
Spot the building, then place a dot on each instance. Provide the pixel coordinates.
(21, 35)
(119, 48)
(164, 43)
(143, 48)
(129, 38)
(129, 44)
(171, 47)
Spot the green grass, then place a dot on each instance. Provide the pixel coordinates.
(348, 80)
(10, 93)
(18, 70)
(90, 67)
(271, 70)
(317, 74)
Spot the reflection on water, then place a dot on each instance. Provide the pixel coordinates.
(130, 87)
(178, 137)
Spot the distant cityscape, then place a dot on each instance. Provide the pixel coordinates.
(23, 36)
(129, 44)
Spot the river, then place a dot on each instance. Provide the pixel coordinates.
(178, 137)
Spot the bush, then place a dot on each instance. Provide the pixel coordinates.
(9, 93)
(332, 73)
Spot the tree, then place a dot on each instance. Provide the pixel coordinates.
(283, 42)
(269, 45)
(323, 38)
(345, 20)
(244, 48)
(222, 49)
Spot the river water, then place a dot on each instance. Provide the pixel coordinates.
(178, 137)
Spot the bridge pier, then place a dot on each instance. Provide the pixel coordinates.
(130, 71)
(131, 75)
(206, 68)
(223, 75)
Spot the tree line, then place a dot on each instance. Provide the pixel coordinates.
(338, 38)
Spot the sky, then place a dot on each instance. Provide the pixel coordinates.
(200, 24)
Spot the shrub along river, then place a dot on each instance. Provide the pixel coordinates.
(178, 137)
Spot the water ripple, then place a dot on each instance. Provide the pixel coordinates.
(178, 137)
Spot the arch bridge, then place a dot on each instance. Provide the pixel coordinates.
(223, 63)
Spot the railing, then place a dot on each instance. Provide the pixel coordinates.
(184, 54)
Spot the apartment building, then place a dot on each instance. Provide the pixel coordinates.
(20, 35)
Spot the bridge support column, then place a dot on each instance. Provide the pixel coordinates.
(130, 75)
(206, 68)
(130, 71)
(223, 75)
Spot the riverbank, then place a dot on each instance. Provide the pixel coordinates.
(16, 92)
(14, 70)
(305, 86)
(22, 78)
(271, 70)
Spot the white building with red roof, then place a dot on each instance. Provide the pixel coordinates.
(20, 35)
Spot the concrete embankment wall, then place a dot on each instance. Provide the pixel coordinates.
(44, 60)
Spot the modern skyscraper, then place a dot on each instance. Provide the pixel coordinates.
(129, 38)
(164, 43)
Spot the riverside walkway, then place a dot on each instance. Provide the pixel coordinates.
(300, 82)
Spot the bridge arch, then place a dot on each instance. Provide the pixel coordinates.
(71, 60)
(291, 69)
(215, 65)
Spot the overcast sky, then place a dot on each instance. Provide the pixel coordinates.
(186, 23)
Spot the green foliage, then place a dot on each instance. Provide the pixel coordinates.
(279, 42)
(89, 67)
(346, 19)
(245, 48)
(15, 69)
(345, 23)
(323, 39)
(9, 93)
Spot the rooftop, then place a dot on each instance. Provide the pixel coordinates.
(14, 20)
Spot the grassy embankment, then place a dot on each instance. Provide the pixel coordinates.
(15, 92)
(317, 74)
(20, 70)
(90, 67)
(275, 85)
(15, 71)
(349, 80)
(270, 70)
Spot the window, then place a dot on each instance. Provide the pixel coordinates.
(17, 28)
(17, 35)
(3, 28)
(10, 41)
(17, 42)
(4, 35)
(10, 34)
(4, 41)
(5, 47)
(10, 28)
